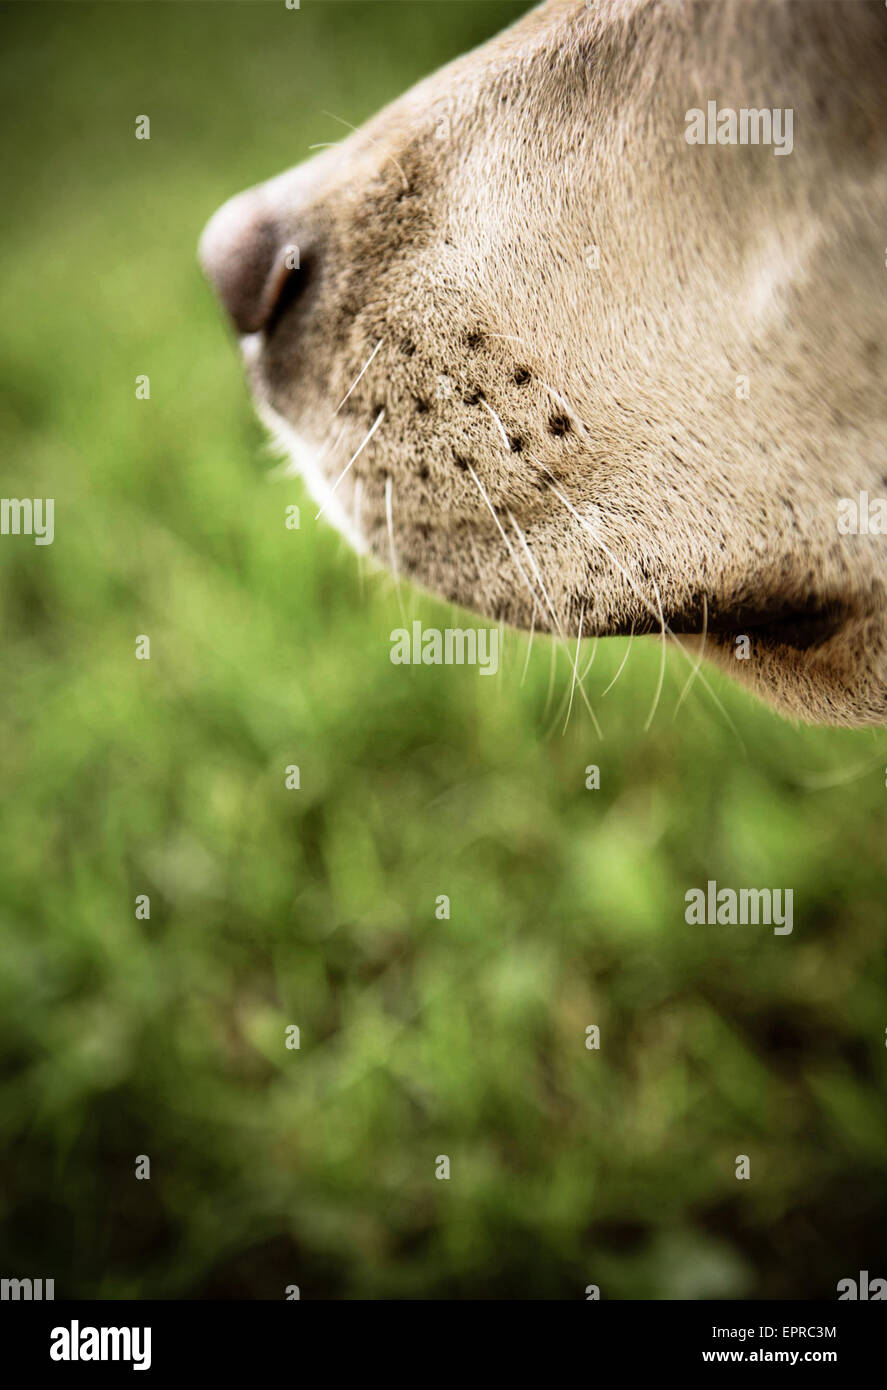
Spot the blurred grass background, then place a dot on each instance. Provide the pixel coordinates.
(269, 907)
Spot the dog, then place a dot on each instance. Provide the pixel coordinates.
(550, 337)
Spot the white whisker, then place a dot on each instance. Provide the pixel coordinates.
(638, 593)
(587, 703)
(661, 661)
(535, 568)
(509, 547)
(565, 405)
(586, 526)
(499, 424)
(331, 448)
(575, 667)
(693, 674)
(559, 635)
(367, 437)
(374, 143)
(585, 700)
(557, 716)
(590, 660)
(359, 375)
(622, 662)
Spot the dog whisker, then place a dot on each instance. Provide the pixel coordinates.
(535, 568)
(498, 422)
(366, 439)
(640, 596)
(557, 715)
(374, 143)
(693, 674)
(575, 669)
(655, 704)
(594, 646)
(585, 700)
(621, 666)
(558, 634)
(359, 375)
(523, 575)
(330, 448)
(509, 547)
(569, 409)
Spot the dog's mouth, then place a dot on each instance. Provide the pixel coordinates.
(776, 624)
(781, 623)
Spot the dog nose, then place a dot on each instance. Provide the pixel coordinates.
(250, 262)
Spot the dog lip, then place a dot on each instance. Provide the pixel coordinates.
(781, 623)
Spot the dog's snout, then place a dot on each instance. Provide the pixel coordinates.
(251, 261)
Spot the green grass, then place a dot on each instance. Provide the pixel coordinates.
(269, 907)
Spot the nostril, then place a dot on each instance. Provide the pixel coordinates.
(286, 284)
(250, 263)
